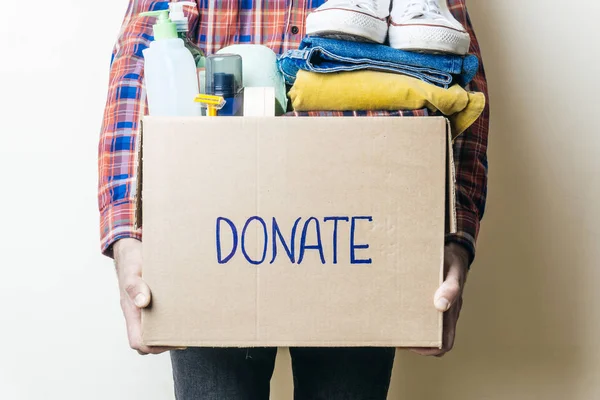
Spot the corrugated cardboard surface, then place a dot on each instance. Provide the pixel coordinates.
(197, 170)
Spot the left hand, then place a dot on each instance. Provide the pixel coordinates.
(448, 298)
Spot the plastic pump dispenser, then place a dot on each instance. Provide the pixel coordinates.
(181, 21)
(170, 71)
(164, 28)
(178, 16)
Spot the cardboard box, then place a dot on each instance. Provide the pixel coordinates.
(294, 231)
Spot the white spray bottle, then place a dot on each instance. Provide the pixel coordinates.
(181, 21)
(170, 71)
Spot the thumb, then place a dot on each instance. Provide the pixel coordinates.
(447, 294)
(138, 292)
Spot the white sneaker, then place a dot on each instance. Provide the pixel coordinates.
(355, 20)
(427, 26)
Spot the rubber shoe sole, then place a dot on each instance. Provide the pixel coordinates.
(346, 25)
(429, 38)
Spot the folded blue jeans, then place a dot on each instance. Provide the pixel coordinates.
(325, 55)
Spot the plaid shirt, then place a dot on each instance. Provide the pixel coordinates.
(278, 24)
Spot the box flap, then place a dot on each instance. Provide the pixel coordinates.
(451, 224)
(139, 178)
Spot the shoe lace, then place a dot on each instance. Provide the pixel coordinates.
(422, 9)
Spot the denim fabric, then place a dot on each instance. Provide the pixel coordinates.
(319, 373)
(330, 55)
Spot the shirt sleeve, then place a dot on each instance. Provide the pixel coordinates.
(470, 157)
(126, 104)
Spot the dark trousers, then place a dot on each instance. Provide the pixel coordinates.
(319, 373)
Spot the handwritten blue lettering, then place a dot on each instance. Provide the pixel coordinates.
(304, 246)
(354, 247)
(235, 240)
(288, 250)
(312, 224)
(262, 222)
(335, 233)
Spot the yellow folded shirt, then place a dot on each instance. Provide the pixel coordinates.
(372, 90)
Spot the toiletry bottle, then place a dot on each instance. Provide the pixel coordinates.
(169, 71)
(178, 17)
(224, 78)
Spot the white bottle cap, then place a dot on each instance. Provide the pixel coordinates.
(178, 16)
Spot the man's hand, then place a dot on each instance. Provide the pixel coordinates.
(448, 298)
(135, 294)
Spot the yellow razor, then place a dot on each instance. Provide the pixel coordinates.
(211, 102)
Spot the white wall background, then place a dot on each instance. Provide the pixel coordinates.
(530, 323)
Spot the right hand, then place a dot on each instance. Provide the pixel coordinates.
(135, 294)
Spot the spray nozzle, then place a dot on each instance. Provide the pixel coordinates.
(164, 27)
(178, 16)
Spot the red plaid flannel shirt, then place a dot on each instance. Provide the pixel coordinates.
(278, 24)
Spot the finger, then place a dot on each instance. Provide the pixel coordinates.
(147, 350)
(425, 351)
(450, 320)
(134, 333)
(133, 319)
(144, 350)
(449, 333)
(451, 288)
(447, 294)
(137, 291)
